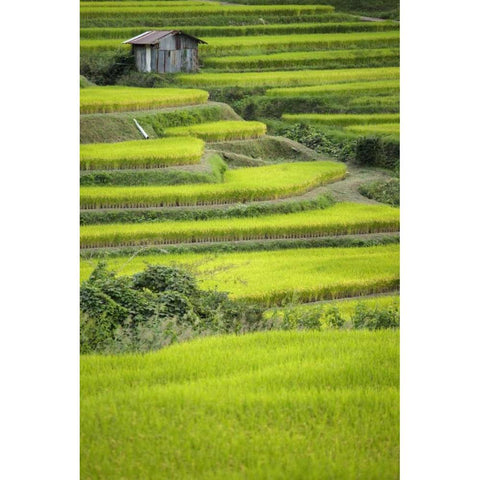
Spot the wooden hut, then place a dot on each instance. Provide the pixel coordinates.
(165, 51)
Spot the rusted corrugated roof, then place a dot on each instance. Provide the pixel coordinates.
(154, 36)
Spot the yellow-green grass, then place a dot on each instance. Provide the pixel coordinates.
(220, 131)
(273, 277)
(324, 59)
(376, 129)
(218, 46)
(340, 219)
(242, 30)
(263, 406)
(289, 78)
(119, 99)
(342, 119)
(240, 185)
(345, 307)
(340, 89)
(152, 153)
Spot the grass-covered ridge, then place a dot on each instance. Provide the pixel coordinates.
(273, 277)
(153, 153)
(268, 405)
(241, 185)
(118, 99)
(340, 219)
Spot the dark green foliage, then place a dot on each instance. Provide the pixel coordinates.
(248, 246)
(147, 80)
(154, 308)
(341, 147)
(378, 151)
(375, 319)
(384, 192)
(105, 68)
(370, 151)
(235, 211)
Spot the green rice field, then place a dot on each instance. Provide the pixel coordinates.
(220, 131)
(263, 406)
(271, 277)
(160, 152)
(339, 89)
(119, 99)
(240, 185)
(342, 119)
(319, 59)
(376, 129)
(340, 219)
(289, 78)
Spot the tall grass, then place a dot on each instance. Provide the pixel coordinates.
(118, 99)
(267, 405)
(241, 185)
(222, 130)
(319, 59)
(141, 154)
(331, 24)
(340, 119)
(288, 78)
(273, 277)
(251, 45)
(340, 219)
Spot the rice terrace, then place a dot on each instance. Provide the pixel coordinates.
(239, 239)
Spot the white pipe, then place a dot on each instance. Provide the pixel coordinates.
(142, 131)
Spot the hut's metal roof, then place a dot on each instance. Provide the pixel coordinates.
(154, 36)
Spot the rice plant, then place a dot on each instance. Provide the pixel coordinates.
(220, 131)
(292, 405)
(251, 45)
(273, 277)
(322, 25)
(119, 99)
(340, 219)
(342, 120)
(152, 153)
(240, 185)
(319, 59)
(376, 129)
(338, 89)
(288, 78)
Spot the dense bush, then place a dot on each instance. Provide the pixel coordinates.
(154, 308)
(107, 67)
(378, 152)
(384, 192)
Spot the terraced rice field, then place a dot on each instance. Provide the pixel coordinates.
(330, 25)
(376, 129)
(160, 152)
(240, 185)
(340, 219)
(318, 59)
(220, 131)
(319, 273)
(268, 405)
(288, 78)
(342, 120)
(119, 99)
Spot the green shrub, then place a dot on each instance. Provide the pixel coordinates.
(106, 68)
(154, 308)
(384, 192)
(378, 151)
